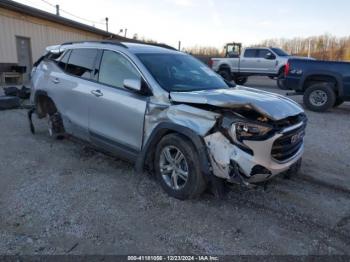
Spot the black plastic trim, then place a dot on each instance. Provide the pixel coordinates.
(123, 151)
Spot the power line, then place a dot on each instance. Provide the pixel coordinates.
(73, 15)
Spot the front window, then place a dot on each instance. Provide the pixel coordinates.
(180, 72)
(263, 53)
(280, 52)
(115, 68)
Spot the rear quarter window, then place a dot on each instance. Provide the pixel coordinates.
(81, 62)
(63, 60)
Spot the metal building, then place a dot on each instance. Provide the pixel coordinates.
(26, 31)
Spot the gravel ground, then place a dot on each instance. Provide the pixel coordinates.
(61, 197)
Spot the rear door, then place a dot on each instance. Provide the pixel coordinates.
(116, 115)
(248, 63)
(72, 86)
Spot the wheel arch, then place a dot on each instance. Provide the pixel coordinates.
(44, 104)
(323, 77)
(146, 157)
(225, 66)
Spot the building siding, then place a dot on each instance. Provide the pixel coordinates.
(42, 33)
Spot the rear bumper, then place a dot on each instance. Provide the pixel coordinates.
(293, 83)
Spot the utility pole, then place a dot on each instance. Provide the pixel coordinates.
(107, 24)
(57, 10)
(125, 31)
(179, 48)
(309, 52)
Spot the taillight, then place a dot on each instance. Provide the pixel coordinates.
(286, 69)
(210, 63)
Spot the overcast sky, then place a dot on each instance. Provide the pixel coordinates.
(211, 22)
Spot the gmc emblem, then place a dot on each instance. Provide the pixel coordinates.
(297, 137)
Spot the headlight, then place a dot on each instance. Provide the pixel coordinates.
(248, 131)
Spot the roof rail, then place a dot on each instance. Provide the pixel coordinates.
(161, 45)
(114, 42)
(111, 42)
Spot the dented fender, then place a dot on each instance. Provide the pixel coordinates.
(189, 121)
(198, 120)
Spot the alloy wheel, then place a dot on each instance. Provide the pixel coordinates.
(173, 167)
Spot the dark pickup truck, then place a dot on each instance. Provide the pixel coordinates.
(324, 84)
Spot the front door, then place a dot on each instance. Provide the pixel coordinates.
(116, 115)
(24, 55)
(266, 65)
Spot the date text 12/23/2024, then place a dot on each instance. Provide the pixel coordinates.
(173, 258)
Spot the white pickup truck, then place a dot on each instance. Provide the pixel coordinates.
(238, 66)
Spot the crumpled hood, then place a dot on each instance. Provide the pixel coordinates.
(274, 106)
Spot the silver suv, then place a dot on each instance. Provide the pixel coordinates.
(168, 113)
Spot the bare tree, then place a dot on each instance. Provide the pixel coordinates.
(325, 47)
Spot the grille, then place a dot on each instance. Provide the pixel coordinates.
(290, 121)
(288, 145)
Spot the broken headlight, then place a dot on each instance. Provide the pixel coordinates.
(248, 131)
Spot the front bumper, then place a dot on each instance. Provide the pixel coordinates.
(229, 161)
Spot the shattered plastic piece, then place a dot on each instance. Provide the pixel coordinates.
(220, 153)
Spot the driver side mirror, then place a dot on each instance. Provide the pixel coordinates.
(137, 85)
(132, 84)
(270, 56)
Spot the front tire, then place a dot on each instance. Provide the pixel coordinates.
(241, 80)
(319, 97)
(177, 167)
(280, 81)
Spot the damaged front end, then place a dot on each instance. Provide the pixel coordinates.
(245, 151)
(252, 140)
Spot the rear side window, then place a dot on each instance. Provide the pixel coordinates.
(250, 53)
(81, 62)
(115, 68)
(63, 60)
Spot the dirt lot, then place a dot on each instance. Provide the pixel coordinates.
(60, 197)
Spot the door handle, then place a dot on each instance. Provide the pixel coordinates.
(97, 93)
(55, 80)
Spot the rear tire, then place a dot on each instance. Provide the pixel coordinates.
(225, 74)
(180, 176)
(319, 97)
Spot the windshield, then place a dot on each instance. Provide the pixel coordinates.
(180, 72)
(280, 52)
